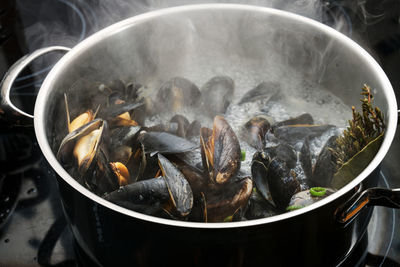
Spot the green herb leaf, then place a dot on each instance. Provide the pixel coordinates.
(353, 167)
(317, 191)
(242, 155)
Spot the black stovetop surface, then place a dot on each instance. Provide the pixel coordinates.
(33, 229)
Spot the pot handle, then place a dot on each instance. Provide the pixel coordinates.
(370, 197)
(7, 108)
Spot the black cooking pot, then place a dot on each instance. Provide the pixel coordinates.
(195, 42)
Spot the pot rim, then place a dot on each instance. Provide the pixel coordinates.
(44, 92)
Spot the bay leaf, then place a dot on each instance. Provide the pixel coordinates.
(354, 166)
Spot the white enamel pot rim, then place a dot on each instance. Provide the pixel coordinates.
(39, 113)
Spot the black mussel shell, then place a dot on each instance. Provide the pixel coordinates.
(177, 93)
(127, 135)
(254, 131)
(165, 143)
(303, 119)
(199, 210)
(100, 178)
(282, 183)
(197, 179)
(147, 196)
(216, 95)
(265, 91)
(259, 172)
(178, 187)
(284, 152)
(273, 174)
(305, 159)
(295, 133)
(65, 151)
(220, 151)
(113, 111)
(227, 200)
(137, 163)
(259, 208)
(182, 123)
(325, 165)
(193, 129)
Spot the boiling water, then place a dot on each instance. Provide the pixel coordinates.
(324, 107)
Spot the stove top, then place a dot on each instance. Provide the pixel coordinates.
(33, 230)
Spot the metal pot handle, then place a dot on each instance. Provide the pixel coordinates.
(370, 197)
(7, 108)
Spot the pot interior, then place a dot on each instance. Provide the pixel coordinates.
(200, 42)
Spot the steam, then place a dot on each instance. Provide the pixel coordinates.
(80, 18)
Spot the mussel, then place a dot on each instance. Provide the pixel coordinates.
(273, 174)
(229, 200)
(325, 166)
(177, 93)
(164, 143)
(265, 91)
(216, 95)
(295, 133)
(81, 119)
(81, 145)
(303, 119)
(153, 194)
(220, 151)
(254, 131)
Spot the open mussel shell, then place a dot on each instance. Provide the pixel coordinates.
(152, 195)
(81, 145)
(164, 143)
(228, 200)
(254, 131)
(216, 95)
(137, 163)
(265, 91)
(220, 151)
(175, 94)
(178, 187)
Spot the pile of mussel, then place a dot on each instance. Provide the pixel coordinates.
(110, 150)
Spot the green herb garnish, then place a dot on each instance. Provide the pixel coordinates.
(242, 155)
(317, 191)
(294, 207)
